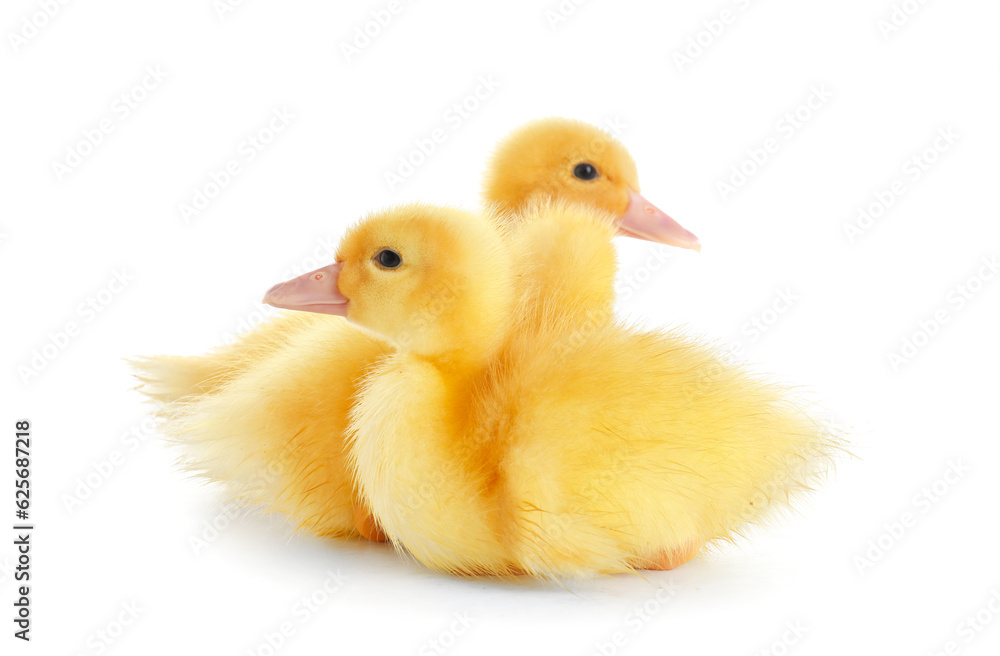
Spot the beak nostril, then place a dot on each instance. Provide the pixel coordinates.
(318, 276)
(649, 209)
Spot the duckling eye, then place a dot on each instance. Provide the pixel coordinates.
(388, 258)
(585, 171)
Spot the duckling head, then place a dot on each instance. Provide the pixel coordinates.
(580, 163)
(434, 281)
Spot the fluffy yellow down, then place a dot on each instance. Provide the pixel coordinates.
(551, 447)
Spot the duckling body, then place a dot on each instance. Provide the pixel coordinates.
(551, 448)
(626, 453)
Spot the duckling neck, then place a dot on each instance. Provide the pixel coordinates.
(566, 254)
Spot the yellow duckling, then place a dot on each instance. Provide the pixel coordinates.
(267, 414)
(558, 451)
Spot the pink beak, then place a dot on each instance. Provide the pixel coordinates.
(643, 220)
(315, 291)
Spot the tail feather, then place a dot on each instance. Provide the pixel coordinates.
(167, 379)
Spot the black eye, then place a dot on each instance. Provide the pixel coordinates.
(585, 171)
(388, 258)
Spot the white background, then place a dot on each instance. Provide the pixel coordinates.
(845, 571)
